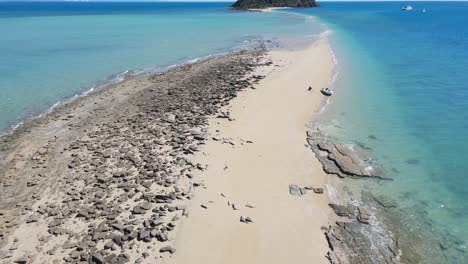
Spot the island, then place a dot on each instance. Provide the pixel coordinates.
(261, 4)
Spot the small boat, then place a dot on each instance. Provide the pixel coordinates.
(424, 10)
(407, 8)
(326, 91)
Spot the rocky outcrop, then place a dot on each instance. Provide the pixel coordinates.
(344, 160)
(258, 4)
(358, 237)
(349, 245)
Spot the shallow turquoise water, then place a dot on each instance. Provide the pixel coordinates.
(52, 51)
(402, 90)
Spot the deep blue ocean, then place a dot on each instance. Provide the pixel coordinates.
(401, 87)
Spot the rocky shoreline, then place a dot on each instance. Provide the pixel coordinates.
(107, 177)
(369, 227)
(351, 239)
(104, 179)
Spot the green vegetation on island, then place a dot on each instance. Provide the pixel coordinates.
(258, 4)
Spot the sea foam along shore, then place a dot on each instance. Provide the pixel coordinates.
(253, 159)
(117, 78)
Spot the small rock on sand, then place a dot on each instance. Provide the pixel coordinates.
(294, 190)
(169, 249)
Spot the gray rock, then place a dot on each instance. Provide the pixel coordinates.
(22, 260)
(342, 159)
(294, 190)
(144, 234)
(169, 249)
(146, 206)
(248, 219)
(363, 216)
(109, 245)
(162, 236)
(119, 227)
(349, 244)
(318, 190)
(344, 211)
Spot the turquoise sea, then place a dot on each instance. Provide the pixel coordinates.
(402, 90)
(401, 83)
(51, 51)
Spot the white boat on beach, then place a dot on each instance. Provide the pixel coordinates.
(326, 91)
(407, 8)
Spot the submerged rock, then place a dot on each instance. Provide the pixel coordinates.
(349, 245)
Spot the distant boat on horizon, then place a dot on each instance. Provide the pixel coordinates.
(407, 8)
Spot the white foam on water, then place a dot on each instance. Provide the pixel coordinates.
(332, 192)
(124, 75)
(111, 80)
(369, 169)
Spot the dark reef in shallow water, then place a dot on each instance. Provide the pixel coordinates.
(248, 4)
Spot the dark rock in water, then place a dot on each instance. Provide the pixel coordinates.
(372, 137)
(442, 246)
(362, 145)
(363, 216)
(385, 202)
(412, 161)
(256, 4)
(381, 200)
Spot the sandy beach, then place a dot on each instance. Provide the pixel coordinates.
(206, 162)
(251, 161)
(269, 9)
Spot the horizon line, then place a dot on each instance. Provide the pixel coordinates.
(215, 1)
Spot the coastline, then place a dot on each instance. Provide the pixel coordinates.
(78, 183)
(38, 214)
(252, 159)
(109, 82)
